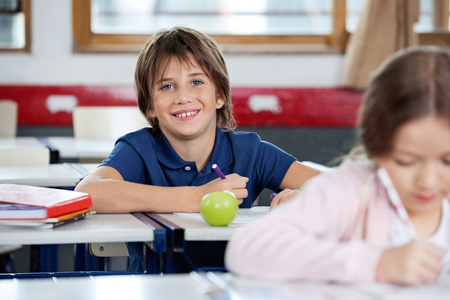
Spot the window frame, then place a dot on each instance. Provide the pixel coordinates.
(25, 8)
(84, 40)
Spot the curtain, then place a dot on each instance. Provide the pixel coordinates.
(385, 27)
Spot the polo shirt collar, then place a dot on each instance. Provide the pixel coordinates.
(167, 156)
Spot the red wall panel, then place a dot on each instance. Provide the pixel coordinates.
(312, 107)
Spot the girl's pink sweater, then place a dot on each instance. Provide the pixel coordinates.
(313, 237)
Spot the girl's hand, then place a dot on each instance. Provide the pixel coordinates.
(417, 262)
(233, 183)
(283, 196)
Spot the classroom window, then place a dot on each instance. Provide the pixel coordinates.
(14, 25)
(117, 25)
(237, 25)
(214, 17)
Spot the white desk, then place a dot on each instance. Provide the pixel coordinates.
(136, 287)
(71, 148)
(201, 286)
(53, 175)
(20, 142)
(67, 147)
(183, 229)
(101, 228)
(105, 231)
(196, 229)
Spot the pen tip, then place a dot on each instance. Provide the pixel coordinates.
(214, 166)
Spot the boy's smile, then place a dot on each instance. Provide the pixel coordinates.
(185, 115)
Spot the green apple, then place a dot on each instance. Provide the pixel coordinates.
(219, 208)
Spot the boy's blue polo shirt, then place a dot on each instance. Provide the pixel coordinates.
(145, 156)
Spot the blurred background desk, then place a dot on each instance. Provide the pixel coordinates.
(66, 175)
(64, 148)
(80, 150)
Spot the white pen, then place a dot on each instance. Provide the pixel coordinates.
(396, 202)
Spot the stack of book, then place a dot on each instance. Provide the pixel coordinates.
(31, 206)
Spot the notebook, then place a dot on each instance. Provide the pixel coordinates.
(31, 202)
(46, 223)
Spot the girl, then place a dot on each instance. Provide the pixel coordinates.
(183, 90)
(343, 225)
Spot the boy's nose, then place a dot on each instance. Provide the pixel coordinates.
(183, 96)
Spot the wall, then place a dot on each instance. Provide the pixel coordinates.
(52, 61)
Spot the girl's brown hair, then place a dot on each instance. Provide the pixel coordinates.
(412, 83)
(179, 42)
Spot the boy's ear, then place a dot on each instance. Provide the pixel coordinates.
(151, 113)
(220, 101)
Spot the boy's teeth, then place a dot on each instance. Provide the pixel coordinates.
(188, 114)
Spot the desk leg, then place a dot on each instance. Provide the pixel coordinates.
(80, 257)
(7, 264)
(153, 261)
(35, 258)
(169, 264)
(49, 258)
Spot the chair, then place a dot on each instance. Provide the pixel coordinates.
(8, 118)
(106, 122)
(19, 156)
(24, 156)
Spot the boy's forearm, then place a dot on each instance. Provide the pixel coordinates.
(118, 196)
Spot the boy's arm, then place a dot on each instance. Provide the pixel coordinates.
(297, 175)
(111, 194)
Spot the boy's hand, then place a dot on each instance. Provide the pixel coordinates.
(233, 183)
(285, 195)
(417, 262)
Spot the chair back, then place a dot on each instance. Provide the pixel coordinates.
(106, 122)
(24, 156)
(8, 118)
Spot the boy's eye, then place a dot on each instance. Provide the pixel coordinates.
(167, 87)
(197, 82)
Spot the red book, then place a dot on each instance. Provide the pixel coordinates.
(31, 202)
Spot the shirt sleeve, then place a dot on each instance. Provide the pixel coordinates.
(272, 164)
(308, 238)
(126, 161)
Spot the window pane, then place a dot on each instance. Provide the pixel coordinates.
(9, 5)
(214, 17)
(425, 23)
(12, 31)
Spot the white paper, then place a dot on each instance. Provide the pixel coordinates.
(244, 215)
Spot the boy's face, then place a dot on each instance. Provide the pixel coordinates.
(185, 101)
(419, 164)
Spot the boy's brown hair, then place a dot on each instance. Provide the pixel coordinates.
(412, 83)
(179, 42)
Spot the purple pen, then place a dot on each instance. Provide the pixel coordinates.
(216, 168)
(273, 195)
